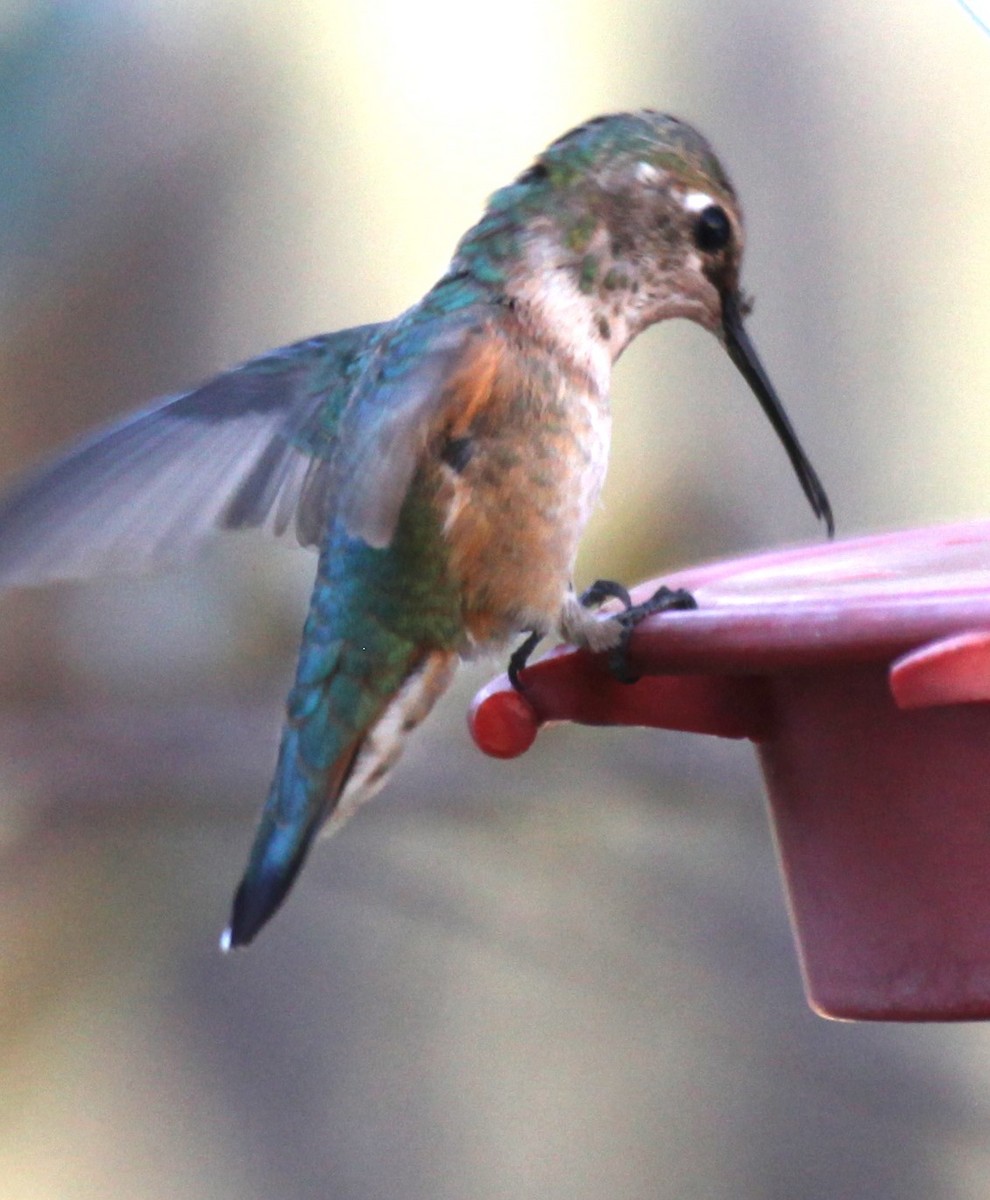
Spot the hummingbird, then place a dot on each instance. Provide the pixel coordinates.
(442, 464)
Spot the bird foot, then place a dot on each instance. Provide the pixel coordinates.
(609, 637)
(664, 599)
(602, 590)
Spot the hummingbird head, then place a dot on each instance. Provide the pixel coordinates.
(625, 221)
(645, 217)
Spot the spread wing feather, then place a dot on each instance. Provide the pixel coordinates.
(249, 448)
(334, 425)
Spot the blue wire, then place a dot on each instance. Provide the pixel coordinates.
(983, 22)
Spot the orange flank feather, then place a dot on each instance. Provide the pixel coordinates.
(532, 440)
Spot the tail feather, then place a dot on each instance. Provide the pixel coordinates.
(323, 774)
(289, 823)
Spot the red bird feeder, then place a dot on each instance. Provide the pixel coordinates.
(861, 670)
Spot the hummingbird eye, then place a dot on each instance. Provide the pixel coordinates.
(712, 230)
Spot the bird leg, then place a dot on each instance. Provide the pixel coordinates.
(600, 591)
(520, 657)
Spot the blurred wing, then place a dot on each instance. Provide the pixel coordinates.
(249, 448)
(421, 369)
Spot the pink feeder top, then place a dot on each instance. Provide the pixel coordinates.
(857, 667)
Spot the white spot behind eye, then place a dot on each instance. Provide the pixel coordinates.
(646, 173)
(697, 202)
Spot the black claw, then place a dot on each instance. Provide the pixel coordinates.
(520, 657)
(664, 599)
(602, 590)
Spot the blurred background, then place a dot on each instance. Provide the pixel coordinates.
(568, 975)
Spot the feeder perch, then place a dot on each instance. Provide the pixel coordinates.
(861, 671)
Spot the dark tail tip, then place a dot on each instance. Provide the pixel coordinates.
(254, 905)
(259, 896)
(297, 805)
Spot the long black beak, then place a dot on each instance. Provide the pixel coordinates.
(743, 354)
